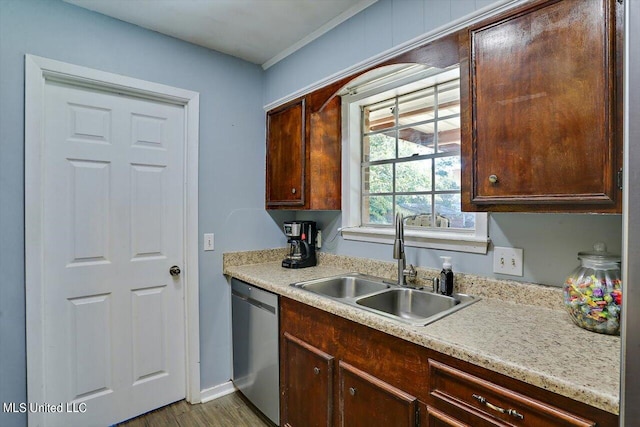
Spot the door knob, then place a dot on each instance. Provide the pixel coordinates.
(174, 271)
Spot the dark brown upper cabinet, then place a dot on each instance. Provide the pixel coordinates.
(541, 108)
(304, 155)
(286, 155)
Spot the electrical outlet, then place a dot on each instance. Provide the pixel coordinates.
(508, 261)
(208, 241)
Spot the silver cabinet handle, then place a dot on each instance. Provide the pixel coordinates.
(493, 179)
(490, 405)
(352, 391)
(316, 370)
(293, 191)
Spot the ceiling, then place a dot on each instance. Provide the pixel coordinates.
(259, 31)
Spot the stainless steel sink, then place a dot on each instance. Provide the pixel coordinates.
(347, 286)
(408, 303)
(413, 306)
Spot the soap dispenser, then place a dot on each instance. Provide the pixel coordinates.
(446, 277)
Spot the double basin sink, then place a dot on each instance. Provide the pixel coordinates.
(413, 306)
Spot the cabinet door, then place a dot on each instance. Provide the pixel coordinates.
(286, 153)
(366, 401)
(325, 157)
(540, 127)
(306, 384)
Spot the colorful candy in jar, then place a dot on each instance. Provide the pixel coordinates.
(593, 292)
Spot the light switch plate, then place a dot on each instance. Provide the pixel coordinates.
(508, 261)
(208, 241)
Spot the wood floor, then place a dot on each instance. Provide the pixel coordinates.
(232, 410)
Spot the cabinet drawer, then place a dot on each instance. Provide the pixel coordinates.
(470, 394)
(436, 418)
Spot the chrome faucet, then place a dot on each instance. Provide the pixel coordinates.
(404, 273)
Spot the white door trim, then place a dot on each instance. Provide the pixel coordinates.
(37, 71)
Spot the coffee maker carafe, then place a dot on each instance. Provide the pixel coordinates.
(301, 241)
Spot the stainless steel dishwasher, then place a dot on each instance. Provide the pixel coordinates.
(255, 347)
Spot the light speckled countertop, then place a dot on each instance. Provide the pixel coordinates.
(536, 344)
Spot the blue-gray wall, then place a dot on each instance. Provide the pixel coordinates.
(231, 159)
(550, 241)
(232, 93)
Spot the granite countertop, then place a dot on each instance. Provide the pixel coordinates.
(535, 341)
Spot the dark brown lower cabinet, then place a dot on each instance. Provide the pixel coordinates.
(307, 379)
(335, 372)
(306, 384)
(367, 401)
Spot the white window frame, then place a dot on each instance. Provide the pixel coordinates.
(392, 81)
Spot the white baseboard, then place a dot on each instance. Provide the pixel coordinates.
(209, 394)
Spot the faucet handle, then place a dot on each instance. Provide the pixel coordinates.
(410, 273)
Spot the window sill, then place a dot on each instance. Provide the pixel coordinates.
(420, 239)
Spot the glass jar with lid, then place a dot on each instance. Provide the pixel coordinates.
(593, 292)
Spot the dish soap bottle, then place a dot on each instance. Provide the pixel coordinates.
(446, 277)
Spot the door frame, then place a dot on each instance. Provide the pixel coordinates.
(38, 71)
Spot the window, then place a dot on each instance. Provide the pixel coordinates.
(404, 156)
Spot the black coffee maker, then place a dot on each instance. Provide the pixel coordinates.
(302, 237)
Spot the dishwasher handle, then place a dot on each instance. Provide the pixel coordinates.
(254, 302)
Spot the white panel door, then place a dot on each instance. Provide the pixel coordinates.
(113, 176)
